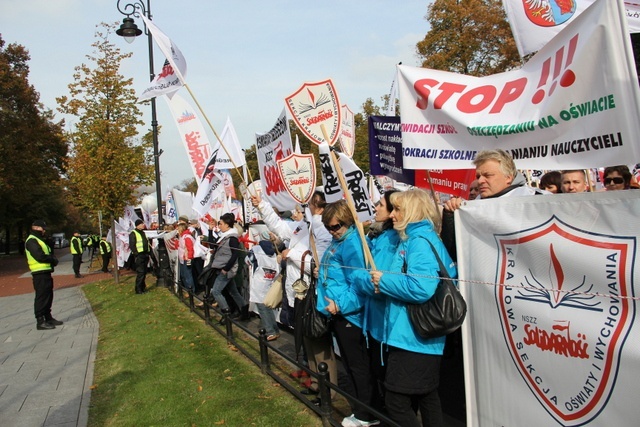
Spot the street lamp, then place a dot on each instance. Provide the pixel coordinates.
(129, 30)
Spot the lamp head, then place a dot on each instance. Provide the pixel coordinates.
(129, 30)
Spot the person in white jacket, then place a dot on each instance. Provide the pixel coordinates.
(297, 233)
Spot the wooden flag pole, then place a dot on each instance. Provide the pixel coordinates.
(367, 252)
(218, 137)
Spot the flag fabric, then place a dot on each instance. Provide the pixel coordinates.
(183, 200)
(347, 132)
(230, 155)
(574, 105)
(229, 189)
(169, 49)
(535, 22)
(211, 185)
(193, 135)
(271, 146)
(171, 212)
(164, 83)
(552, 281)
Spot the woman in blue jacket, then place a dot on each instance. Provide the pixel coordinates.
(337, 298)
(412, 363)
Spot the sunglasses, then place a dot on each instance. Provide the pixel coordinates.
(334, 227)
(616, 180)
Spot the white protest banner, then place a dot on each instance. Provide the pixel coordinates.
(192, 133)
(210, 186)
(535, 22)
(347, 132)
(270, 147)
(551, 281)
(574, 105)
(355, 179)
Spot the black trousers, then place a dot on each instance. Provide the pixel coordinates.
(43, 285)
(105, 262)
(355, 358)
(77, 260)
(197, 264)
(141, 272)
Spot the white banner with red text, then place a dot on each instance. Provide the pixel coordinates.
(192, 133)
(574, 105)
(550, 282)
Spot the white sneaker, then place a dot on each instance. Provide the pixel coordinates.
(352, 421)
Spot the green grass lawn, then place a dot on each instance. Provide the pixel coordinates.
(157, 364)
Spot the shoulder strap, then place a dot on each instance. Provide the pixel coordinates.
(443, 271)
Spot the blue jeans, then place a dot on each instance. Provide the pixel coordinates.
(221, 282)
(187, 277)
(268, 319)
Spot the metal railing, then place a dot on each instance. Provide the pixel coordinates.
(225, 326)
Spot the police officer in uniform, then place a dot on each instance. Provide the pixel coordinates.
(76, 251)
(139, 246)
(105, 251)
(41, 263)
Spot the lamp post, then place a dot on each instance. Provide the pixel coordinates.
(129, 30)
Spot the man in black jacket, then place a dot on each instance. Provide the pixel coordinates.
(139, 246)
(76, 250)
(41, 263)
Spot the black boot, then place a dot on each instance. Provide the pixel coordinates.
(43, 324)
(226, 313)
(244, 312)
(52, 321)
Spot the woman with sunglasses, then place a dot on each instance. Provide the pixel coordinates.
(617, 178)
(338, 299)
(410, 277)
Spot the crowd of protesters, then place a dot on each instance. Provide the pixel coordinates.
(389, 367)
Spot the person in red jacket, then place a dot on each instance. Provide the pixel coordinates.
(185, 256)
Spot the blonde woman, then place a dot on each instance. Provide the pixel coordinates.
(412, 363)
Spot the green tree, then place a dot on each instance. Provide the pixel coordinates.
(470, 37)
(32, 149)
(107, 160)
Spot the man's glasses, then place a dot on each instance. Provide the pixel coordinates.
(334, 227)
(615, 180)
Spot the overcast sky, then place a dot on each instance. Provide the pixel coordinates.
(243, 57)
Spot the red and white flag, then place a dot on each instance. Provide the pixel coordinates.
(173, 72)
(535, 22)
(195, 139)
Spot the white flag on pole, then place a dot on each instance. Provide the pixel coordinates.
(176, 67)
(210, 186)
(230, 141)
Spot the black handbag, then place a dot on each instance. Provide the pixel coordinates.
(314, 323)
(444, 312)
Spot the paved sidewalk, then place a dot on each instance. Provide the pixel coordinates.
(45, 376)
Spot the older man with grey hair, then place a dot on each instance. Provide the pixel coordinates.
(497, 176)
